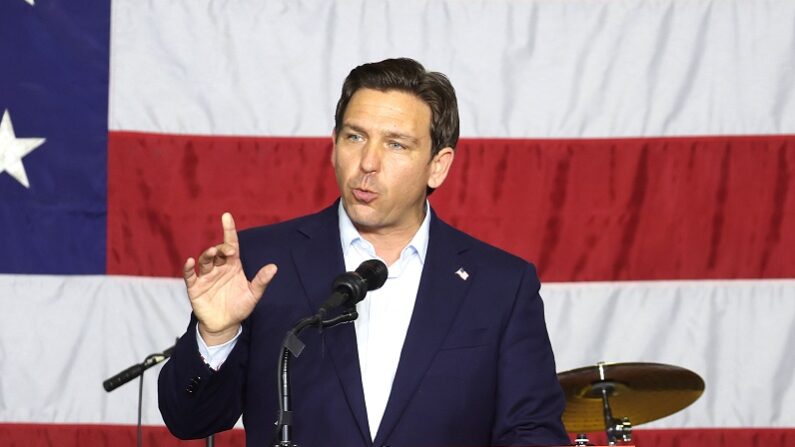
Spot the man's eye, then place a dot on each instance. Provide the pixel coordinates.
(355, 137)
(396, 145)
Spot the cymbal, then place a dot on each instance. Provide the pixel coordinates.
(641, 391)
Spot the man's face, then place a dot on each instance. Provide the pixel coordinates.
(382, 160)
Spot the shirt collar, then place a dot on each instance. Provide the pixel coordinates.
(350, 235)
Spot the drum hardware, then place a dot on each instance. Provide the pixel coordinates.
(641, 392)
(582, 440)
(614, 428)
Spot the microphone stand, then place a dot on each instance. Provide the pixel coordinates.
(293, 345)
(130, 374)
(138, 371)
(149, 361)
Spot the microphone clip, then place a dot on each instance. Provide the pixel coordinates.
(294, 344)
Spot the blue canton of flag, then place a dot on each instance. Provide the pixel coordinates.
(53, 135)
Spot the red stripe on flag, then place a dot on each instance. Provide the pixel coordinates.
(102, 435)
(62, 435)
(166, 193)
(609, 209)
(632, 209)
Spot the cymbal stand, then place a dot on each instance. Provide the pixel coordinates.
(615, 429)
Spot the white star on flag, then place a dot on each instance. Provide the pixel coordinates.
(12, 149)
(31, 2)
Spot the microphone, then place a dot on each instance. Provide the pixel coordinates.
(351, 287)
(136, 370)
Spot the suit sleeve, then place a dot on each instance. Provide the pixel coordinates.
(530, 401)
(195, 400)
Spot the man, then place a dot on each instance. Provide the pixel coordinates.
(451, 351)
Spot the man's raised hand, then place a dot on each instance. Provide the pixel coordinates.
(219, 292)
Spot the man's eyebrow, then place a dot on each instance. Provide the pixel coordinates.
(394, 135)
(353, 127)
(402, 136)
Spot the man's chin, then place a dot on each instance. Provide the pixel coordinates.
(364, 221)
(363, 216)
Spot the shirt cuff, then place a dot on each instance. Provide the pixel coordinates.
(215, 356)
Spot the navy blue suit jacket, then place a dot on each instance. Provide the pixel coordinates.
(476, 367)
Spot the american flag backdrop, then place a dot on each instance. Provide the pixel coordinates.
(640, 152)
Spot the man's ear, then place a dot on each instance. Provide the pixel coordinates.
(440, 166)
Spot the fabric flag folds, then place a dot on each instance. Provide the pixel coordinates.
(641, 154)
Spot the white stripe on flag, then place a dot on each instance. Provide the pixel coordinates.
(522, 69)
(62, 336)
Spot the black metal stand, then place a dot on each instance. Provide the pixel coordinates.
(130, 374)
(615, 429)
(292, 345)
(139, 433)
(138, 371)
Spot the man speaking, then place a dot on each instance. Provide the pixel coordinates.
(451, 351)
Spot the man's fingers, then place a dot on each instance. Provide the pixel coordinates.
(223, 251)
(262, 279)
(207, 260)
(189, 272)
(230, 232)
(226, 250)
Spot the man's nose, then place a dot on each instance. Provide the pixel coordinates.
(371, 157)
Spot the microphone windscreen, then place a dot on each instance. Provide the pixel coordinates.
(373, 272)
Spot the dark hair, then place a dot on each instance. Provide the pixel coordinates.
(408, 75)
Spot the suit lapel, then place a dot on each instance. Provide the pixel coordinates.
(439, 296)
(318, 262)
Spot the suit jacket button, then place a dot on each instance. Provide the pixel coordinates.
(190, 389)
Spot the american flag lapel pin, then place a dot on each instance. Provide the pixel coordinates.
(462, 273)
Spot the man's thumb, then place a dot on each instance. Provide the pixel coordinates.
(262, 279)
